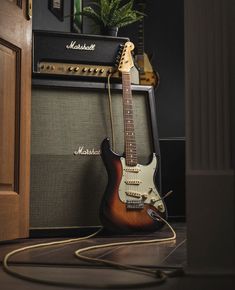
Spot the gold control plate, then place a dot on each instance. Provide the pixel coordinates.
(75, 69)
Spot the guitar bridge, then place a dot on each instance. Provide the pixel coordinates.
(134, 204)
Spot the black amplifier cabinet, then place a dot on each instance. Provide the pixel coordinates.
(75, 55)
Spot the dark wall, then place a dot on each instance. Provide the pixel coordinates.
(164, 43)
(43, 19)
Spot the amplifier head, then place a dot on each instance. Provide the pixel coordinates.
(74, 55)
(69, 122)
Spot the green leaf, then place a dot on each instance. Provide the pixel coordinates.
(109, 13)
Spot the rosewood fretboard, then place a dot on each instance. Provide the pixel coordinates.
(129, 130)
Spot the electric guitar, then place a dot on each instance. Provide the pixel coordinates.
(147, 76)
(131, 202)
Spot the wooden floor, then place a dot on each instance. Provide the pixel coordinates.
(59, 262)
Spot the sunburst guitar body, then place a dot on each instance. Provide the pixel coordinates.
(131, 202)
(147, 76)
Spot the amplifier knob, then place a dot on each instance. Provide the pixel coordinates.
(76, 68)
(84, 69)
(102, 70)
(52, 67)
(70, 68)
(91, 69)
(48, 67)
(42, 66)
(96, 70)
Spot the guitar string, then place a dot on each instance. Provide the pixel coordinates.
(128, 114)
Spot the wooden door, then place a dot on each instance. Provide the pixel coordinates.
(15, 92)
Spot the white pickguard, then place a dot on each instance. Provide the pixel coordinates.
(137, 184)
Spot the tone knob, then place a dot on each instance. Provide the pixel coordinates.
(160, 207)
(70, 68)
(101, 70)
(91, 69)
(84, 69)
(76, 68)
(153, 199)
(96, 70)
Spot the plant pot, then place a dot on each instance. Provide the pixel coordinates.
(111, 31)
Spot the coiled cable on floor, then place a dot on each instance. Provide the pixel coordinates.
(159, 275)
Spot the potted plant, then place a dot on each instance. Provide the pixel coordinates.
(110, 15)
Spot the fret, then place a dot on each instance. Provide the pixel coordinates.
(130, 143)
(140, 40)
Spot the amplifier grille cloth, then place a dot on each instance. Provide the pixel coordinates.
(66, 190)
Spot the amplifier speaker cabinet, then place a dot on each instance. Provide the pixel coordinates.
(69, 121)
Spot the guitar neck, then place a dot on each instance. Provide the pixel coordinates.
(140, 42)
(129, 132)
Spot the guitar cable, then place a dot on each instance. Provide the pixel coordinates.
(159, 275)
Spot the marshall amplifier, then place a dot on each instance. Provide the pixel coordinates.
(70, 119)
(76, 55)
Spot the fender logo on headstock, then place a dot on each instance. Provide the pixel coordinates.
(126, 61)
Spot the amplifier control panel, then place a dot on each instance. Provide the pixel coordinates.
(75, 69)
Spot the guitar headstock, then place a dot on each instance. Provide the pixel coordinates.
(126, 61)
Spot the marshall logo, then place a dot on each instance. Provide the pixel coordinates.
(82, 151)
(74, 45)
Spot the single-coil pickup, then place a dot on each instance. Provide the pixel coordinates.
(133, 182)
(136, 194)
(133, 170)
